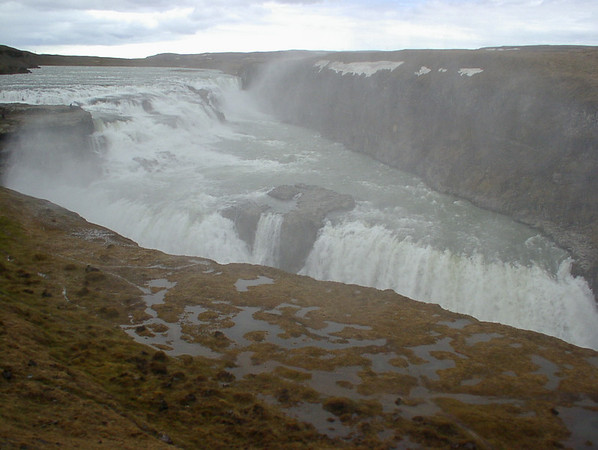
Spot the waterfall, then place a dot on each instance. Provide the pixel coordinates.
(522, 296)
(267, 239)
(173, 149)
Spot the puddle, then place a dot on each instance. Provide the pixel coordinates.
(426, 408)
(381, 362)
(471, 382)
(245, 366)
(326, 382)
(301, 312)
(593, 360)
(549, 370)
(433, 365)
(304, 311)
(171, 339)
(278, 310)
(342, 381)
(386, 434)
(481, 337)
(244, 323)
(582, 423)
(406, 444)
(324, 421)
(244, 285)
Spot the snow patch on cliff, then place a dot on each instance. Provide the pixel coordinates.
(423, 70)
(470, 71)
(367, 68)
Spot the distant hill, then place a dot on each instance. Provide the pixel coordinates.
(14, 61)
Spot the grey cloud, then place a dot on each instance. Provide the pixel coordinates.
(299, 2)
(30, 23)
(64, 22)
(75, 28)
(105, 5)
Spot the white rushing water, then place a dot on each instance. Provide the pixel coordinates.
(167, 165)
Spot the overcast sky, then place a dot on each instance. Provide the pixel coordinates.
(138, 28)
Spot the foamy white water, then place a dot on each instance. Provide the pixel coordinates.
(167, 165)
(267, 239)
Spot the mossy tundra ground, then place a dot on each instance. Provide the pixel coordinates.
(108, 345)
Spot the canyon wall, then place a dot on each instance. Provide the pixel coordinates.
(512, 130)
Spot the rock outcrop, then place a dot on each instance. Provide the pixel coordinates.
(303, 208)
(301, 225)
(48, 129)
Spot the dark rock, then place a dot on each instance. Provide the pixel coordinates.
(283, 395)
(158, 368)
(7, 374)
(147, 106)
(245, 217)
(225, 376)
(300, 226)
(339, 406)
(165, 438)
(285, 192)
(162, 406)
(303, 216)
(189, 399)
(210, 101)
(159, 356)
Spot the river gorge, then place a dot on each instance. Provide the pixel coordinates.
(199, 162)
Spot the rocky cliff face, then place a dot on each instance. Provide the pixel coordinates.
(513, 130)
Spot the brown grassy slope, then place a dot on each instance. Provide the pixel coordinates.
(72, 377)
